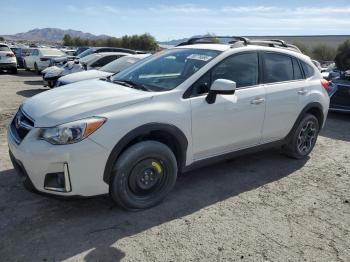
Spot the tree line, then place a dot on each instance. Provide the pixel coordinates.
(323, 52)
(144, 42)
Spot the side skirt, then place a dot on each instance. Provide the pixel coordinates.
(220, 158)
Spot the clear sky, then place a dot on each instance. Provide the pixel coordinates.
(168, 20)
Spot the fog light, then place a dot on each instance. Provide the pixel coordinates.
(58, 181)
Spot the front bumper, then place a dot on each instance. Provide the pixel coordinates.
(85, 161)
(8, 65)
(50, 81)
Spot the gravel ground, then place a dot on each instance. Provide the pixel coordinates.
(260, 207)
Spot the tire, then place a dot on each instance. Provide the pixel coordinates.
(14, 71)
(304, 138)
(25, 66)
(51, 84)
(143, 175)
(36, 69)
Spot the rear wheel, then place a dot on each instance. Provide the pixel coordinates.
(304, 138)
(143, 175)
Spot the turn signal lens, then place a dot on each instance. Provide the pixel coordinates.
(93, 126)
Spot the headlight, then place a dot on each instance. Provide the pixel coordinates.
(72, 132)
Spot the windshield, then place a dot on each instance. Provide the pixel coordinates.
(4, 48)
(87, 59)
(119, 64)
(86, 53)
(167, 69)
(52, 52)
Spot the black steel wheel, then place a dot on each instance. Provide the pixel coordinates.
(143, 175)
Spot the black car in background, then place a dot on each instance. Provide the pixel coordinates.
(80, 50)
(339, 89)
(20, 53)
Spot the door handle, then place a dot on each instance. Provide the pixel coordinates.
(302, 92)
(257, 101)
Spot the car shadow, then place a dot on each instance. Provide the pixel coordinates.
(34, 82)
(337, 126)
(21, 73)
(30, 92)
(61, 229)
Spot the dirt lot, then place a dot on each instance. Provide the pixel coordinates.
(261, 207)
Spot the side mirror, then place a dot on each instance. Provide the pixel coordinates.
(220, 86)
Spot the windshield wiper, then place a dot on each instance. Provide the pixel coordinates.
(131, 84)
(107, 78)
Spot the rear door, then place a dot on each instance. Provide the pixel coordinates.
(284, 84)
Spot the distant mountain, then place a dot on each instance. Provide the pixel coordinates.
(179, 41)
(51, 35)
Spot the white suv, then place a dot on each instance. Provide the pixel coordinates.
(7, 59)
(132, 133)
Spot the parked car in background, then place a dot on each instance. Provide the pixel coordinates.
(69, 52)
(20, 53)
(131, 134)
(93, 61)
(39, 58)
(109, 69)
(339, 90)
(8, 59)
(94, 50)
(331, 72)
(81, 49)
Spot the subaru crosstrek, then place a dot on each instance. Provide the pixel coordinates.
(130, 134)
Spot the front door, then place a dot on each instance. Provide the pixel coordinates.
(233, 122)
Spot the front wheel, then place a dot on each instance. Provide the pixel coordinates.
(304, 137)
(143, 175)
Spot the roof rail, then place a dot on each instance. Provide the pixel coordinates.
(274, 43)
(246, 41)
(211, 40)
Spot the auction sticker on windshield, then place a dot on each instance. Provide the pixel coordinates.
(199, 57)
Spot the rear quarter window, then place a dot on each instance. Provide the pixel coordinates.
(298, 74)
(308, 70)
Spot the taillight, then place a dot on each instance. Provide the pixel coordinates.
(10, 55)
(325, 84)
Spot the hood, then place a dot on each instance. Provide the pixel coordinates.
(80, 100)
(53, 71)
(84, 75)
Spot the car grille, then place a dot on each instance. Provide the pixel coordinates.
(341, 97)
(20, 126)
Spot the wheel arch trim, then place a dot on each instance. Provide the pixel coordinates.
(175, 132)
(308, 107)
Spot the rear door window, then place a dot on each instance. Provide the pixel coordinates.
(277, 68)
